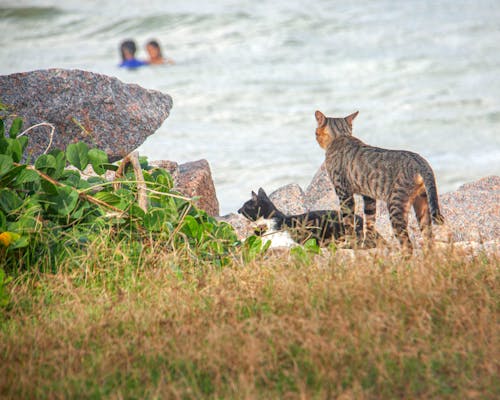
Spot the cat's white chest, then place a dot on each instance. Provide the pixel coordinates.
(278, 238)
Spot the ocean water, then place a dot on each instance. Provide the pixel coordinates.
(425, 76)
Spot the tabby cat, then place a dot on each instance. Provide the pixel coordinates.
(401, 178)
(323, 225)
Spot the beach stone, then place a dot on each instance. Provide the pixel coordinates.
(195, 179)
(473, 211)
(241, 225)
(171, 166)
(320, 194)
(116, 117)
(488, 183)
(289, 199)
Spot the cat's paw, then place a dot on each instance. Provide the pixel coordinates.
(372, 240)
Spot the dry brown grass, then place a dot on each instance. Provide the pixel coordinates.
(279, 327)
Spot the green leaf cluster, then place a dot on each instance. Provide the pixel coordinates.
(254, 246)
(49, 211)
(304, 254)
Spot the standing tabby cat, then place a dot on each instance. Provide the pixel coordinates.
(401, 178)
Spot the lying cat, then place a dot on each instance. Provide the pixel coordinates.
(401, 178)
(322, 225)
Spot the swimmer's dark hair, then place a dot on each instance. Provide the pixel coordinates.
(128, 45)
(155, 44)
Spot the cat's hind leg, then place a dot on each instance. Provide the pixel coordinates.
(399, 205)
(422, 212)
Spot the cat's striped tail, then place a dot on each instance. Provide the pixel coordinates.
(432, 195)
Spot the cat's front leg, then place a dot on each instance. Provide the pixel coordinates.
(347, 214)
(370, 211)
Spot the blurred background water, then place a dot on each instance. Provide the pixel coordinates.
(425, 76)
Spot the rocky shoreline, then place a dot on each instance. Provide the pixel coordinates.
(472, 212)
(118, 117)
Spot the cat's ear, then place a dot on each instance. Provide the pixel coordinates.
(254, 196)
(350, 118)
(262, 193)
(320, 118)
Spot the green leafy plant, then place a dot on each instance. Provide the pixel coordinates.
(254, 246)
(303, 254)
(47, 210)
(4, 294)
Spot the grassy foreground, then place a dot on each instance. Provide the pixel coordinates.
(162, 325)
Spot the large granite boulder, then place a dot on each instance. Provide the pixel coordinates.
(473, 211)
(193, 179)
(84, 106)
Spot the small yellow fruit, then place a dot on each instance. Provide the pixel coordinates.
(6, 238)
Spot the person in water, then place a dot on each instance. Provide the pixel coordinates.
(155, 55)
(128, 49)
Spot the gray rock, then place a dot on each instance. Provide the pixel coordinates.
(193, 179)
(242, 226)
(84, 106)
(171, 166)
(473, 211)
(289, 199)
(320, 194)
(488, 183)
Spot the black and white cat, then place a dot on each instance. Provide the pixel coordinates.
(322, 225)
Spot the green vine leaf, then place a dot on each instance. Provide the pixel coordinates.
(60, 158)
(23, 141)
(98, 159)
(27, 176)
(9, 201)
(64, 202)
(77, 155)
(16, 127)
(47, 164)
(108, 198)
(11, 175)
(5, 163)
(15, 149)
